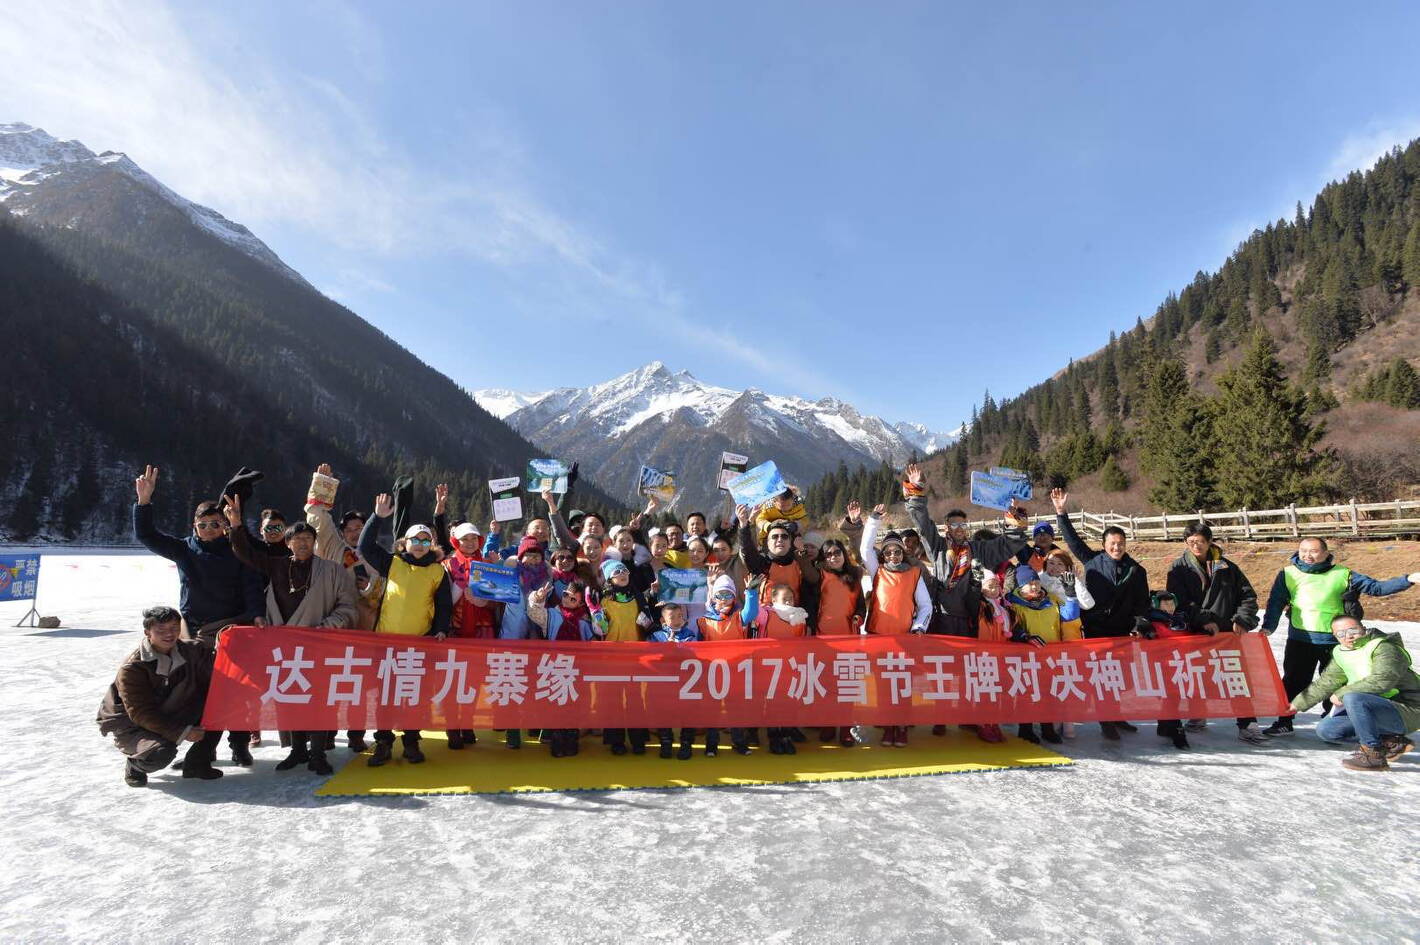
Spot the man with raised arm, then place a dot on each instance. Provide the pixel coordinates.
(215, 590)
(957, 583)
(1118, 583)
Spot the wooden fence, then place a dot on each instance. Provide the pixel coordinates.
(1348, 520)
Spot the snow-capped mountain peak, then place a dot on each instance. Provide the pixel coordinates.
(656, 413)
(34, 165)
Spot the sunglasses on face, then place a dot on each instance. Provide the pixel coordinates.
(420, 542)
(208, 526)
(273, 527)
(833, 552)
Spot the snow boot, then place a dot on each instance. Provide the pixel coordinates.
(1050, 734)
(1027, 732)
(1180, 739)
(513, 738)
(455, 741)
(667, 749)
(381, 755)
(319, 765)
(1279, 729)
(686, 750)
(133, 777)
(1394, 746)
(241, 755)
(1366, 758)
(299, 755)
(1110, 731)
(411, 753)
(787, 747)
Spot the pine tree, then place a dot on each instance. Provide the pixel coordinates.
(1112, 478)
(1402, 386)
(1108, 390)
(1410, 260)
(1266, 453)
(1168, 386)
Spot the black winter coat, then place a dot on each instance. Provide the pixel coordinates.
(1120, 588)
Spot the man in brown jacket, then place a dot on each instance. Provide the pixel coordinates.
(155, 702)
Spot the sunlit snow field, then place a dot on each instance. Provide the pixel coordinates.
(1137, 842)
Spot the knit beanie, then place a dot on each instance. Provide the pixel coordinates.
(609, 568)
(529, 543)
(1025, 574)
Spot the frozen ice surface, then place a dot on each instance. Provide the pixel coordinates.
(1135, 843)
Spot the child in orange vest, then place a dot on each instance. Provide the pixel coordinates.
(724, 622)
(783, 619)
(899, 602)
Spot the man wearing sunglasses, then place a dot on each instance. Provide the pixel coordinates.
(215, 590)
(273, 533)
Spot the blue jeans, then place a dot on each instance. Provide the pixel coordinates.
(1363, 717)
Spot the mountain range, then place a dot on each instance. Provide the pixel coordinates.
(142, 328)
(674, 421)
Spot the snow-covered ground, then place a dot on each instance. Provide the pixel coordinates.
(1134, 843)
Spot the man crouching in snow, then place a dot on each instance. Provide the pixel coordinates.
(1375, 690)
(155, 702)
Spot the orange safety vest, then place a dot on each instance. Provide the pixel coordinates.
(837, 604)
(789, 574)
(728, 628)
(777, 628)
(893, 604)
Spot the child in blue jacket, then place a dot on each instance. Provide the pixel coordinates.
(674, 629)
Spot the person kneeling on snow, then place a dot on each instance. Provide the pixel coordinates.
(1371, 682)
(155, 702)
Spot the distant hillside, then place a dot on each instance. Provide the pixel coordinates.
(1336, 289)
(140, 333)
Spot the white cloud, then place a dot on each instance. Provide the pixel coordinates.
(265, 146)
(1361, 150)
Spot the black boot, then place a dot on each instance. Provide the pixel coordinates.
(1027, 732)
(667, 746)
(797, 735)
(381, 755)
(1126, 727)
(1109, 731)
(241, 753)
(132, 776)
(357, 742)
(513, 738)
(1050, 733)
(412, 754)
(455, 740)
(318, 763)
(470, 737)
(198, 763)
(299, 754)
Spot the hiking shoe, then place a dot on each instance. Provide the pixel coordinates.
(319, 765)
(1252, 734)
(241, 755)
(619, 749)
(1279, 729)
(1196, 725)
(133, 777)
(1110, 731)
(381, 755)
(413, 755)
(358, 744)
(667, 749)
(1180, 739)
(685, 752)
(298, 756)
(742, 748)
(1393, 746)
(1366, 758)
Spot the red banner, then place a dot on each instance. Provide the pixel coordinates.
(291, 678)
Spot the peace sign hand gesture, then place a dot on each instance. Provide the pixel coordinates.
(145, 485)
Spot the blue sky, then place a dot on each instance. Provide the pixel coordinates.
(897, 204)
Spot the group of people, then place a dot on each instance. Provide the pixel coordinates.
(767, 575)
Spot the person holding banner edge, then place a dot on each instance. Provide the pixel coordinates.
(417, 602)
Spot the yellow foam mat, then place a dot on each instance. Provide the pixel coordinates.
(489, 767)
